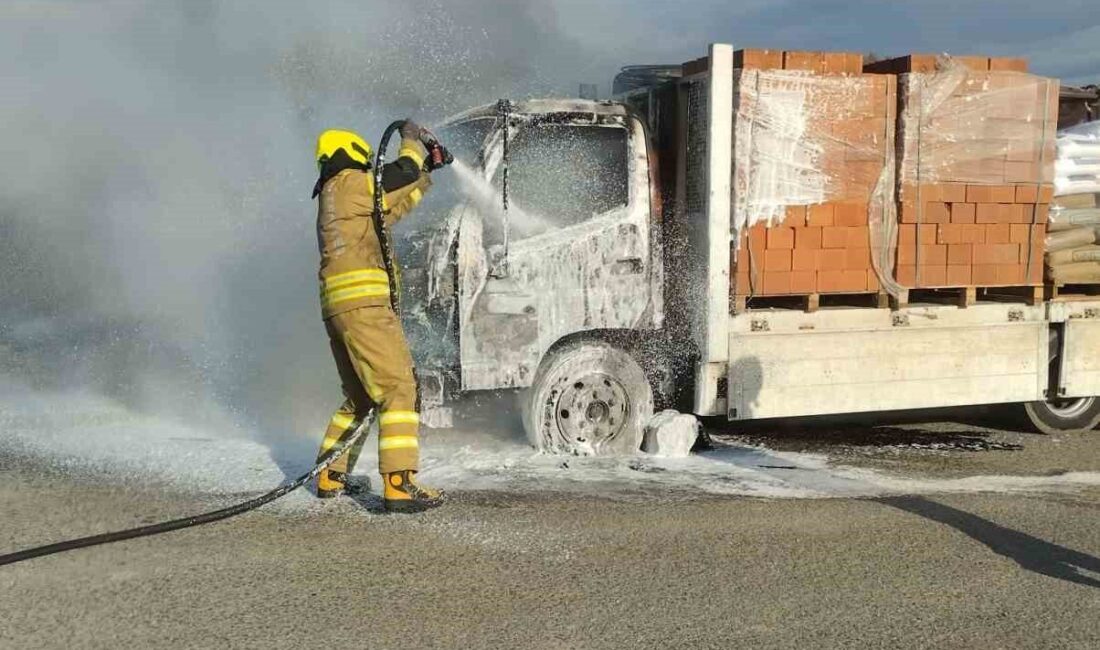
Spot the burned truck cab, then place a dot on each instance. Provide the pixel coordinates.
(544, 241)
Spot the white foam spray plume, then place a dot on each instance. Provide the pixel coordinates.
(488, 200)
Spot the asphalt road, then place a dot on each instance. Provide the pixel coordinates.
(565, 570)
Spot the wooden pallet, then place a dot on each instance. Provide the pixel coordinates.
(810, 302)
(966, 296)
(963, 297)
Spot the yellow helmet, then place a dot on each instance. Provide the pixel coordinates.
(329, 142)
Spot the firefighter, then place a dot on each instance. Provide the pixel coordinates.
(372, 357)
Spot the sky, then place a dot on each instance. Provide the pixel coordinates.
(156, 229)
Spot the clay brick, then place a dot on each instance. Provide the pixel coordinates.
(873, 283)
(958, 275)
(1021, 213)
(1046, 193)
(836, 63)
(797, 60)
(1002, 193)
(996, 254)
(850, 214)
(1019, 233)
(780, 238)
(831, 259)
(858, 237)
(1007, 64)
(933, 276)
(853, 62)
(758, 59)
(976, 63)
(855, 280)
(963, 212)
(776, 259)
(1027, 194)
(907, 255)
(906, 275)
(1017, 171)
(926, 233)
(953, 192)
(1042, 213)
(958, 254)
(979, 194)
(949, 233)
(933, 255)
(983, 274)
(973, 233)
(821, 214)
(743, 286)
(808, 238)
(935, 212)
(1005, 212)
(1035, 275)
(830, 281)
(907, 234)
(758, 237)
(930, 192)
(777, 283)
(857, 258)
(1011, 274)
(987, 213)
(803, 282)
(908, 212)
(998, 233)
(834, 237)
(795, 215)
(804, 259)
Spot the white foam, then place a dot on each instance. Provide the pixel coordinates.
(81, 433)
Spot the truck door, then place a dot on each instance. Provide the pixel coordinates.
(570, 253)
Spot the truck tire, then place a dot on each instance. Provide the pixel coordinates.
(1078, 415)
(588, 398)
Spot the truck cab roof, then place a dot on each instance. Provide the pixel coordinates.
(567, 110)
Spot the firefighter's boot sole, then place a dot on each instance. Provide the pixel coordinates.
(410, 506)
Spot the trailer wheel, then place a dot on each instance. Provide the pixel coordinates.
(1065, 416)
(588, 398)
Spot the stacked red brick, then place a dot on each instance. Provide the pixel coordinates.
(975, 167)
(813, 137)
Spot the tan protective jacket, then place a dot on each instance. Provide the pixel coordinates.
(353, 269)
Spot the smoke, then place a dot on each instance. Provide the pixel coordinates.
(156, 228)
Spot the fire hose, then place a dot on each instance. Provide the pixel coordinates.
(194, 520)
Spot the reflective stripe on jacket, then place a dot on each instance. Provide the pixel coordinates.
(353, 269)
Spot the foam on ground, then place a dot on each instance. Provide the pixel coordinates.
(82, 434)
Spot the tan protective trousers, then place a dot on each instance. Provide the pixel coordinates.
(376, 371)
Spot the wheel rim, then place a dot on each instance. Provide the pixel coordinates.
(592, 410)
(1070, 408)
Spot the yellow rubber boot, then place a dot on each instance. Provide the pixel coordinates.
(330, 484)
(402, 494)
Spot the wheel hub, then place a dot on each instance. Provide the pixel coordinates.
(1068, 408)
(592, 409)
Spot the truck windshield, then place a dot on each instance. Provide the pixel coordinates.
(464, 139)
(560, 175)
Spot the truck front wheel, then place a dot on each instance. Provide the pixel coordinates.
(1065, 416)
(588, 398)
